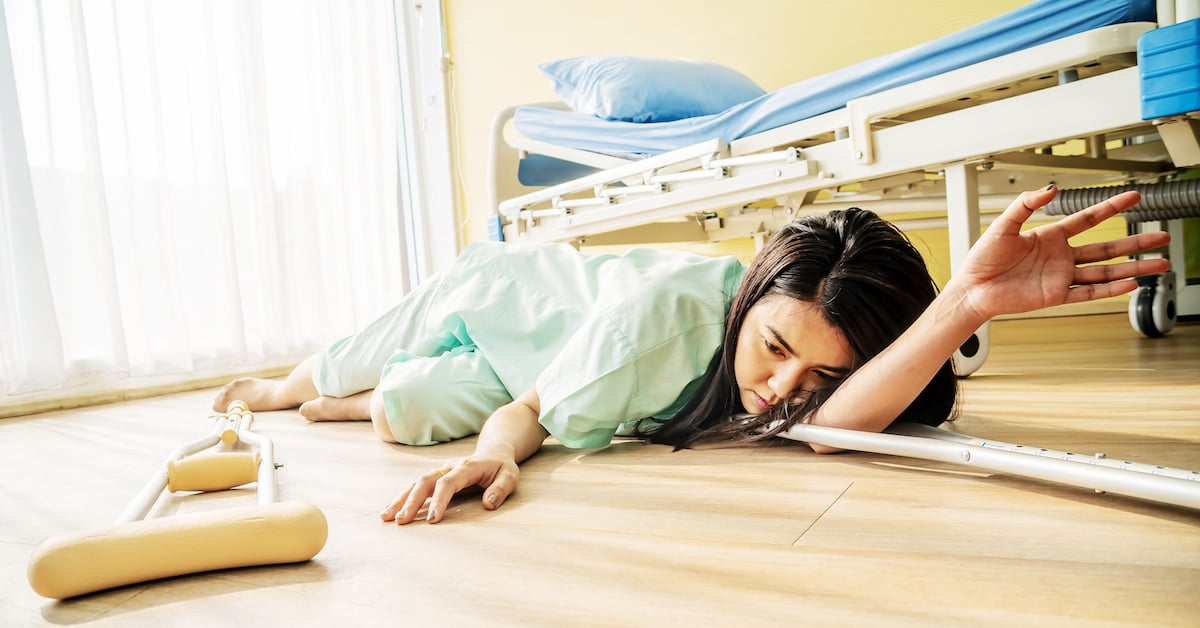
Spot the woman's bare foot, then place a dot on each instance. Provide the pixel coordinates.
(270, 394)
(352, 408)
(259, 395)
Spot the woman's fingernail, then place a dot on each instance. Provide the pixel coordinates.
(493, 499)
(403, 514)
(1049, 187)
(431, 516)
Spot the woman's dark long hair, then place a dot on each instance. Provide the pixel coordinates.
(868, 281)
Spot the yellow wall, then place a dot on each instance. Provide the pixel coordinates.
(495, 47)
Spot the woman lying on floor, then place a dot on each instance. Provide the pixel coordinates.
(836, 322)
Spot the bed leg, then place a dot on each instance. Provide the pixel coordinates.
(962, 218)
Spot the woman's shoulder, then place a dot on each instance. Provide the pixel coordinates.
(682, 272)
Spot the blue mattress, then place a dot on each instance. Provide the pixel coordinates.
(1030, 25)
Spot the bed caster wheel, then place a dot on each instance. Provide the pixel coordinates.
(1152, 306)
(971, 354)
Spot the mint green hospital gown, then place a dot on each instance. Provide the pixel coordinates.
(607, 340)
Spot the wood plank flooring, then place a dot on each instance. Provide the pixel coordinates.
(637, 535)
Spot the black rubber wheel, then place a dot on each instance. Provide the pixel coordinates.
(1143, 314)
(1152, 306)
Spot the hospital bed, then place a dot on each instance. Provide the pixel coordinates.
(943, 134)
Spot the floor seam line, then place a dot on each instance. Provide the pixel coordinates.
(831, 505)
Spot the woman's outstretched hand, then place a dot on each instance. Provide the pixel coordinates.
(1009, 271)
(509, 436)
(431, 492)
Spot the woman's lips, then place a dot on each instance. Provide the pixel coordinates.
(762, 404)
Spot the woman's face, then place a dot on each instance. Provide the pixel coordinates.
(785, 346)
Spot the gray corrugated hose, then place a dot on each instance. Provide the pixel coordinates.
(1160, 201)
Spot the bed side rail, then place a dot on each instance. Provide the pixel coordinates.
(1117, 42)
(618, 190)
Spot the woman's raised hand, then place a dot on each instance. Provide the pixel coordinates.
(1010, 271)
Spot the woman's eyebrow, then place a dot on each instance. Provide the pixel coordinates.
(840, 370)
(779, 338)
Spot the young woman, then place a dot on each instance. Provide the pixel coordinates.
(836, 322)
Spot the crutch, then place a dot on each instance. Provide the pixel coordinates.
(137, 549)
(1167, 485)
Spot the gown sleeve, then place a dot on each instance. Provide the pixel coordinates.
(633, 357)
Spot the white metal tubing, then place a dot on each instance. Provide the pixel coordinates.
(689, 175)
(926, 431)
(1186, 10)
(633, 189)
(620, 173)
(962, 209)
(572, 203)
(787, 155)
(993, 203)
(1164, 489)
(498, 159)
(706, 196)
(1165, 11)
(267, 486)
(534, 214)
(141, 505)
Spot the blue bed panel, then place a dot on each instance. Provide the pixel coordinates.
(1169, 68)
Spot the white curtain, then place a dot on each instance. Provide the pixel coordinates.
(193, 187)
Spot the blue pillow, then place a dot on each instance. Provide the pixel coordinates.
(647, 89)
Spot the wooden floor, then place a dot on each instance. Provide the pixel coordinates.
(635, 535)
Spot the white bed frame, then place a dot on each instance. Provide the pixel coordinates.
(957, 146)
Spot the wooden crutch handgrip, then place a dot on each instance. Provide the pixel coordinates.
(212, 472)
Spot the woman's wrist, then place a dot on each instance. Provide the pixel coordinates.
(512, 432)
(504, 451)
(955, 305)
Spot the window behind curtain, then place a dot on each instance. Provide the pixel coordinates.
(194, 188)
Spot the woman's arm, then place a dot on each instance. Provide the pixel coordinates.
(509, 436)
(1006, 272)
(513, 430)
